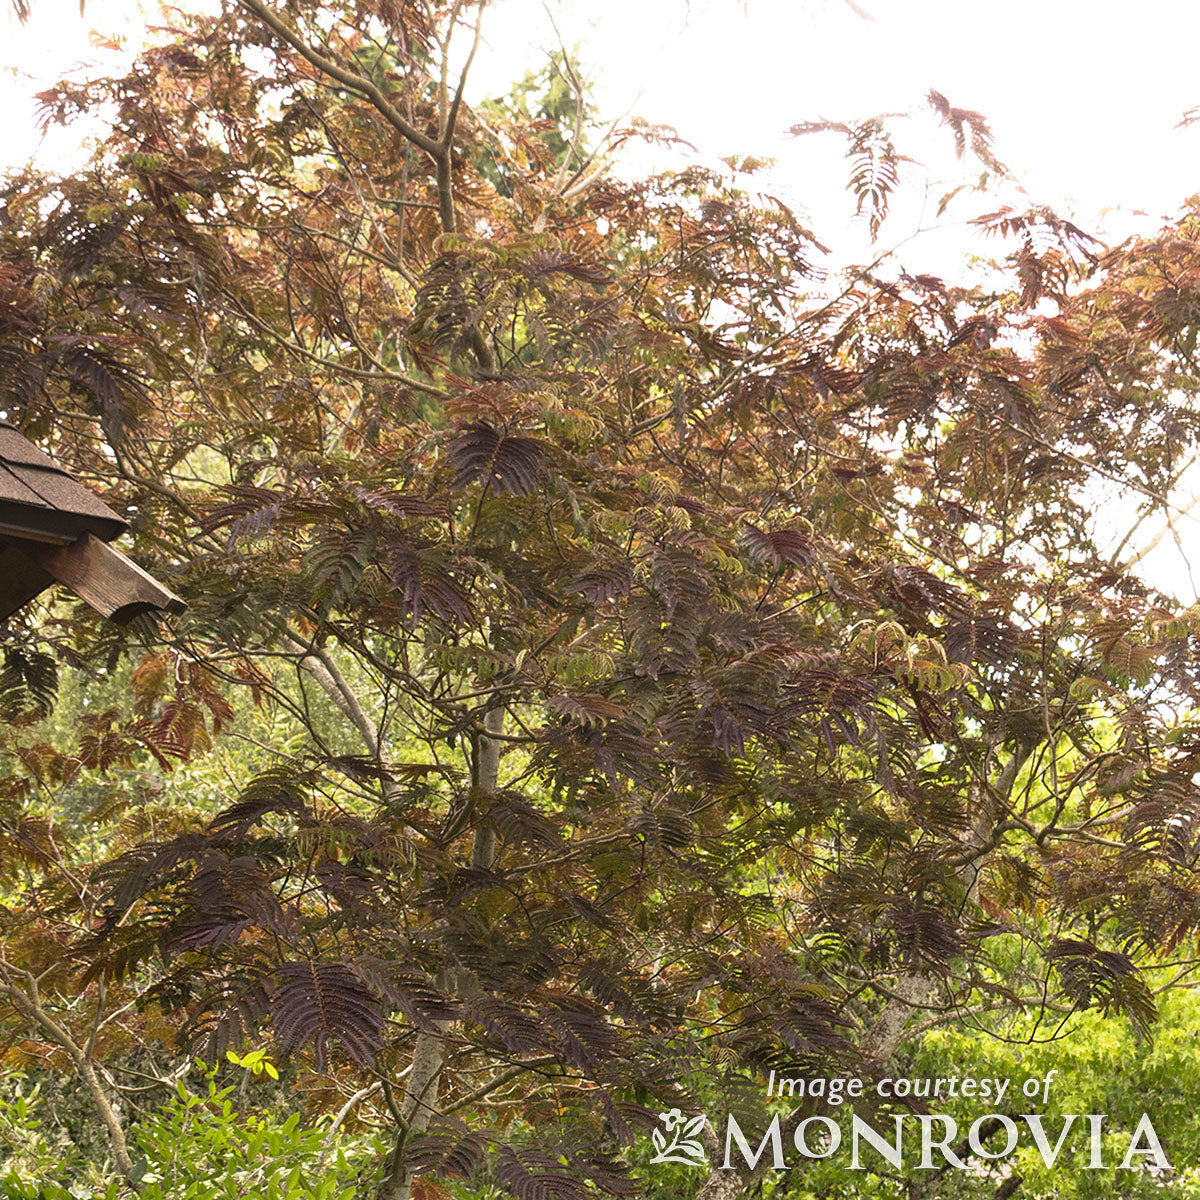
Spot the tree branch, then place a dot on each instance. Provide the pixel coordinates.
(317, 662)
(365, 87)
(28, 1004)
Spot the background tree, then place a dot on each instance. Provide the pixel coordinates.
(689, 666)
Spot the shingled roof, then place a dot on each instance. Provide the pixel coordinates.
(37, 495)
(53, 530)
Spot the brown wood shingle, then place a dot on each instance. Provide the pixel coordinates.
(53, 530)
(39, 500)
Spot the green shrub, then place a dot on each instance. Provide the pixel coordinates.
(198, 1145)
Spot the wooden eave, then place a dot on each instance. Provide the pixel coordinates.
(54, 530)
(39, 500)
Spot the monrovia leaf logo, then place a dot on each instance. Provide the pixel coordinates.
(684, 1146)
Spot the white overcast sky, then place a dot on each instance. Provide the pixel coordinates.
(1083, 99)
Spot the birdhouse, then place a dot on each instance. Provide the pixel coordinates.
(53, 530)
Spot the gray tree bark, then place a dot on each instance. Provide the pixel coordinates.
(424, 1079)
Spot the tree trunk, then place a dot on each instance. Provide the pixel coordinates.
(108, 1114)
(424, 1079)
(29, 1005)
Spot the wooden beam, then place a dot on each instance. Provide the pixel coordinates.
(30, 531)
(115, 586)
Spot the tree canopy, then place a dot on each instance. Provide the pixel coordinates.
(621, 659)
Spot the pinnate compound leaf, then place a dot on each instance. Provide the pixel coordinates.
(451, 1149)
(314, 1002)
(274, 791)
(510, 466)
(777, 547)
(537, 1176)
